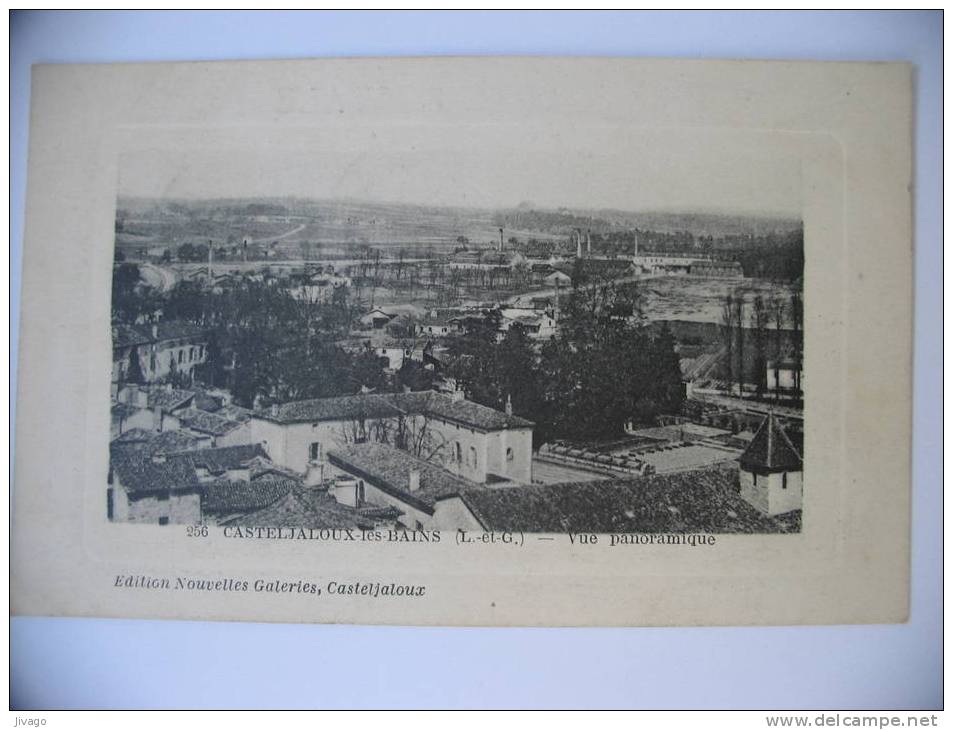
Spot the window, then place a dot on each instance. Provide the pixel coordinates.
(191, 354)
(756, 480)
(473, 457)
(163, 520)
(314, 452)
(181, 356)
(509, 454)
(457, 452)
(152, 362)
(784, 480)
(109, 503)
(360, 492)
(164, 497)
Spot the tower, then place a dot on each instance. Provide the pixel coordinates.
(771, 472)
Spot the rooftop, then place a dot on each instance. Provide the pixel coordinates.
(169, 399)
(127, 335)
(153, 442)
(389, 469)
(303, 508)
(697, 501)
(224, 496)
(142, 474)
(371, 405)
(205, 422)
(223, 458)
(771, 450)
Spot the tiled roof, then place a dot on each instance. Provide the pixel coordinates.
(389, 469)
(771, 450)
(204, 422)
(468, 413)
(261, 467)
(206, 402)
(329, 409)
(152, 442)
(141, 474)
(222, 458)
(430, 403)
(697, 501)
(123, 410)
(127, 335)
(306, 509)
(169, 400)
(224, 496)
(234, 413)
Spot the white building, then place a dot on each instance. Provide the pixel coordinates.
(772, 471)
(469, 440)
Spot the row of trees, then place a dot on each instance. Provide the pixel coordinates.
(765, 322)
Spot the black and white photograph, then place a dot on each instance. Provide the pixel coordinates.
(472, 335)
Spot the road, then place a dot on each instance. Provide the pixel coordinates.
(286, 234)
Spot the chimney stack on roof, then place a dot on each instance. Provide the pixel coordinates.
(509, 405)
(413, 480)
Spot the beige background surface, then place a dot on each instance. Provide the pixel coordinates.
(847, 125)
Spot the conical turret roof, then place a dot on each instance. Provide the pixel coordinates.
(771, 450)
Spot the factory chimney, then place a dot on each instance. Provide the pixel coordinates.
(588, 242)
(578, 234)
(501, 240)
(210, 261)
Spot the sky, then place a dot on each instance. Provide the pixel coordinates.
(478, 166)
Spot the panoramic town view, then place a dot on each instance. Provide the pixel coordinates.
(310, 363)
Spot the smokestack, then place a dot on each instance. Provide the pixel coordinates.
(578, 236)
(588, 243)
(501, 240)
(210, 261)
(509, 405)
(413, 480)
(636, 252)
(244, 249)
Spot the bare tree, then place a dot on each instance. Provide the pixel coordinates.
(778, 346)
(728, 325)
(760, 323)
(797, 314)
(740, 323)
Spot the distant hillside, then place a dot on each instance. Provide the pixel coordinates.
(699, 224)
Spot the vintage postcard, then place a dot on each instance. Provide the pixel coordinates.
(467, 342)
